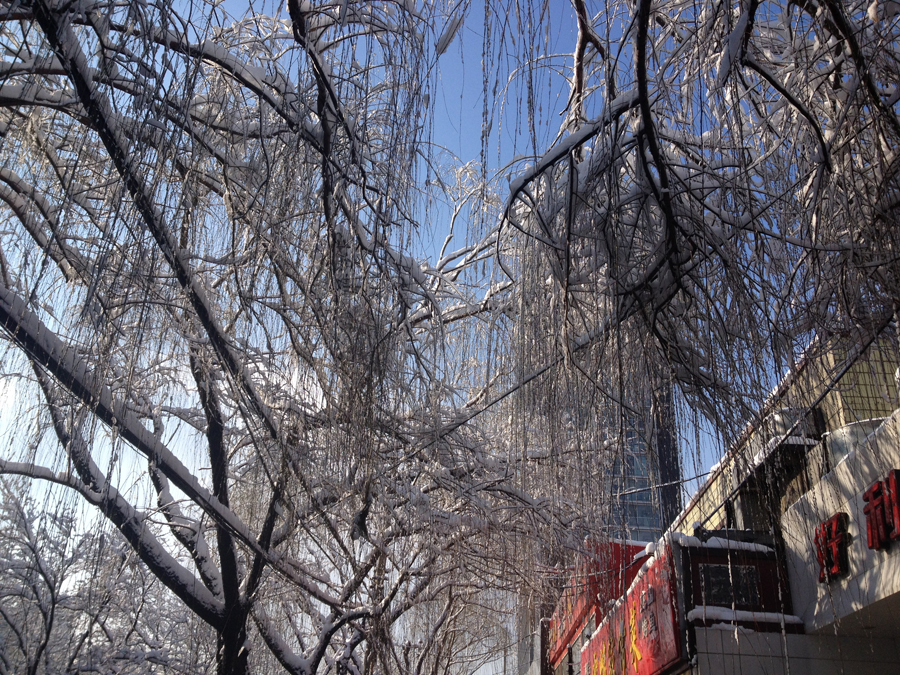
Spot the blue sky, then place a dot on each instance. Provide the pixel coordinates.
(459, 84)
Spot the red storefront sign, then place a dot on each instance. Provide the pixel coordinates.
(602, 574)
(832, 543)
(640, 636)
(882, 511)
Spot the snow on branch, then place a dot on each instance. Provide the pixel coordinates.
(70, 369)
(68, 51)
(617, 107)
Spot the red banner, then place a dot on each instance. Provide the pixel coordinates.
(596, 579)
(640, 635)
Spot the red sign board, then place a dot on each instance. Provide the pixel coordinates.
(832, 543)
(640, 636)
(882, 511)
(602, 573)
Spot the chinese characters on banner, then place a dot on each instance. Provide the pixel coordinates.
(640, 635)
(832, 543)
(599, 574)
(882, 511)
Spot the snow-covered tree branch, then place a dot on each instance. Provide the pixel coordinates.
(328, 441)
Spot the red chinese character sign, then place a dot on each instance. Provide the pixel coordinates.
(832, 543)
(882, 511)
(640, 636)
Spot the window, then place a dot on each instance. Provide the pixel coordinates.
(727, 585)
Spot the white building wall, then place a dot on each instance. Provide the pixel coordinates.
(874, 576)
(724, 651)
